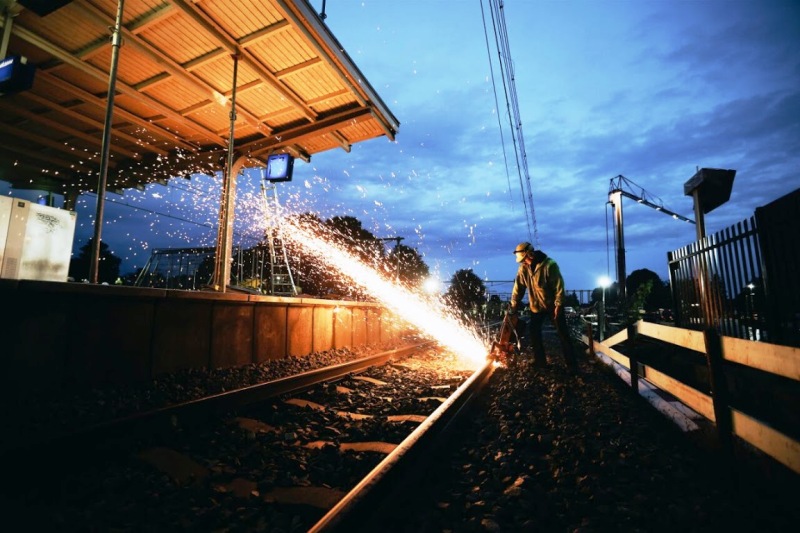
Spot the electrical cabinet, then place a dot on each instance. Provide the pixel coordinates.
(36, 240)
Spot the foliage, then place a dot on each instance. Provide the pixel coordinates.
(107, 266)
(407, 265)
(636, 301)
(659, 296)
(571, 300)
(466, 293)
(495, 307)
(313, 275)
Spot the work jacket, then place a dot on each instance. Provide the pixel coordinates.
(543, 281)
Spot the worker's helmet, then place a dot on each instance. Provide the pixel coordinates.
(522, 249)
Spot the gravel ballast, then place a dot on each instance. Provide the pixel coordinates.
(548, 451)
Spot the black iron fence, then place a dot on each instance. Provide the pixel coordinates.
(744, 281)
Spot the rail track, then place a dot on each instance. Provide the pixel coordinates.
(323, 450)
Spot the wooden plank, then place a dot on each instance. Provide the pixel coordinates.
(781, 360)
(616, 338)
(613, 354)
(690, 396)
(685, 338)
(775, 444)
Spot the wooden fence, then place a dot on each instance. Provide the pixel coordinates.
(722, 353)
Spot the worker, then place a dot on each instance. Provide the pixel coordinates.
(541, 277)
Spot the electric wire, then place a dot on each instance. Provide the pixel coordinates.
(496, 102)
(153, 212)
(512, 106)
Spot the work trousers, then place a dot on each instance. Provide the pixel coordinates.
(534, 339)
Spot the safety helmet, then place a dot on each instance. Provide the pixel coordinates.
(522, 250)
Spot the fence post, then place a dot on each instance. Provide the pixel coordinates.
(590, 334)
(719, 392)
(633, 331)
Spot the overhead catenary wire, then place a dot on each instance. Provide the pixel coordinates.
(496, 103)
(153, 212)
(512, 106)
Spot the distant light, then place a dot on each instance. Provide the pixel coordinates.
(432, 285)
(604, 281)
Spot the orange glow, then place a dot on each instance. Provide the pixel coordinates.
(428, 315)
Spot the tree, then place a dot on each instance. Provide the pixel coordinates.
(348, 232)
(308, 272)
(571, 300)
(407, 264)
(107, 266)
(658, 297)
(467, 293)
(495, 307)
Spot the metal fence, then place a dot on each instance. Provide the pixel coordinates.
(743, 281)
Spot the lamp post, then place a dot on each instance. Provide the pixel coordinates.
(604, 282)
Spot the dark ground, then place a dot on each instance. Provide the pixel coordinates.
(550, 452)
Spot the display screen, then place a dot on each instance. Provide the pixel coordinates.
(7, 68)
(279, 167)
(15, 75)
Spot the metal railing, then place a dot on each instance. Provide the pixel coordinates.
(742, 281)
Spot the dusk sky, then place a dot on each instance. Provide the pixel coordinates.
(650, 90)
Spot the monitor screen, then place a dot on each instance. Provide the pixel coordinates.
(279, 167)
(16, 75)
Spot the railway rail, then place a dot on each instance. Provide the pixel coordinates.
(329, 445)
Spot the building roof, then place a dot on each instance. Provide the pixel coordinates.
(298, 91)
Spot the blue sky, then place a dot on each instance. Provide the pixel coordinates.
(650, 90)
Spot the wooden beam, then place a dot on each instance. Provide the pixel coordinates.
(197, 14)
(172, 67)
(772, 442)
(618, 337)
(305, 65)
(613, 354)
(58, 126)
(264, 33)
(692, 397)
(91, 99)
(295, 135)
(773, 358)
(99, 74)
(87, 120)
(38, 156)
(146, 21)
(685, 338)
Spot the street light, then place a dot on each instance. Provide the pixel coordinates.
(604, 282)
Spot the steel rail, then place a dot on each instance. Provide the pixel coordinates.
(87, 440)
(363, 508)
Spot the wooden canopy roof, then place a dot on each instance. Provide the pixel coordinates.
(298, 91)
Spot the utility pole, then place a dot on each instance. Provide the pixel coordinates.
(396, 244)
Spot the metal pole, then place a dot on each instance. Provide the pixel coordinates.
(603, 316)
(116, 39)
(7, 23)
(616, 200)
(698, 215)
(222, 262)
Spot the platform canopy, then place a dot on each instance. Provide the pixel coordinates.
(298, 91)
